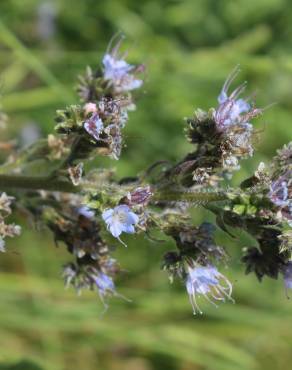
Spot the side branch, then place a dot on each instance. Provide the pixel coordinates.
(49, 183)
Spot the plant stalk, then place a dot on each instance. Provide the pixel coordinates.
(188, 196)
(51, 183)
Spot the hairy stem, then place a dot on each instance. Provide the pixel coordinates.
(52, 183)
(190, 197)
(49, 183)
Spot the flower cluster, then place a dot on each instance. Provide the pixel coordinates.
(88, 277)
(77, 228)
(261, 208)
(232, 118)
(98, 124)
(95, 128)
(193, 263)
(104, 123)
(116, 78)
(222, 137)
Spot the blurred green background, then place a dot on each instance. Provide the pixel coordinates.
(189, 47)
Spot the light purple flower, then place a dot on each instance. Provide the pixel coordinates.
(119, 72)
(208, 282)
(94, 126)
(120, 219)
(115, 69)
(85, 212)
(104, 283)
(233, 110)
(281, 195)
(279, 192)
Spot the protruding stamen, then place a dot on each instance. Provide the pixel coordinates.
(231, 78)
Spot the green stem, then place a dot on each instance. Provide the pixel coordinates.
(187, 196)
(52, 183)
(49, 183)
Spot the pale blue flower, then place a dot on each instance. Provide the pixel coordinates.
(94, 126)
(115, 69)
(85, 212)
(233, 110)
(104, 283)
(120, 219)
(281, 195)
(106, 286)
(208, 282)
(120, 73)
(279, 192)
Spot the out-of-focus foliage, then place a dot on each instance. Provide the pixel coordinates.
(189, 47)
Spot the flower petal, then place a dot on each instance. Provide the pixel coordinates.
(107, 214)
(115, 229)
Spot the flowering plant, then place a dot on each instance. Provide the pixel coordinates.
(89, 212)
